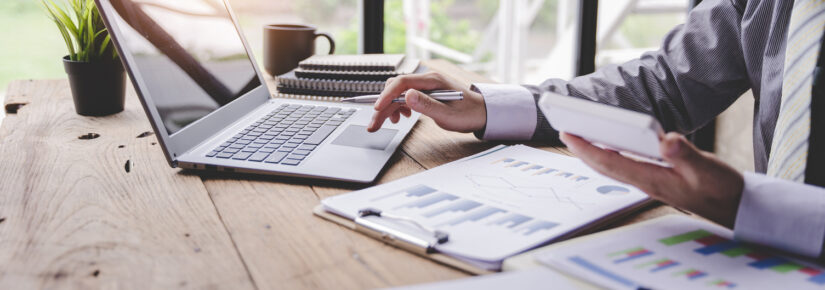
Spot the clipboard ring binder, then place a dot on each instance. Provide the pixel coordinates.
(395, 236)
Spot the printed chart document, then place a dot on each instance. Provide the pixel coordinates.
(678, 252)
(498, 203)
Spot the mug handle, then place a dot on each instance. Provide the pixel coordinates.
(331, 42)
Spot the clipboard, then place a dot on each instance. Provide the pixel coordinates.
(393, 240)
(406, 234)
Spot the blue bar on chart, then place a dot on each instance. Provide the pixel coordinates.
(512, 220)
(532, 167)
(475, 216)
(603, 272)
(504, 160)
(463, 205)
(545, 171)
(538, 226)
(718, 247)
(428, 201)
(518, 163)
(415, 191)
(818, 279)
(565, 174)
(767, 263)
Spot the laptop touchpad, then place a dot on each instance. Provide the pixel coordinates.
(357, 136)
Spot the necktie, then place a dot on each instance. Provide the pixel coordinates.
(789, 149)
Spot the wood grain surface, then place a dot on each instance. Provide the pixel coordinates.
(73, 217)
(108, 212)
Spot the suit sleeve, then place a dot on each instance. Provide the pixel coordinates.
(697, 73)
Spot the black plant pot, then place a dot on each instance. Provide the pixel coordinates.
(99, 88)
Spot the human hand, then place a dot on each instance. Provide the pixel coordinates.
(698, 181)
(467, 115)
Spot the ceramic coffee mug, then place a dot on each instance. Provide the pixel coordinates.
(287, 44)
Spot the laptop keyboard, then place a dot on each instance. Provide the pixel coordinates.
(285, 136)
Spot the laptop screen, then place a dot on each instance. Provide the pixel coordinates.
(188, 53)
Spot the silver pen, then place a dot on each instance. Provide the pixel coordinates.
(443, 96)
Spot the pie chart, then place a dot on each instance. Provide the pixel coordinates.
(612, 190)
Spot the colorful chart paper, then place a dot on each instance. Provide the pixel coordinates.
(679, 252)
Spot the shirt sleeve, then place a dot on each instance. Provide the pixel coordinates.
(781, 214)
(511, 112)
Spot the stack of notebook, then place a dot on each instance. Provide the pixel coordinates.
(344, 75)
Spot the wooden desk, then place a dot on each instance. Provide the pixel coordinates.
(109, 212)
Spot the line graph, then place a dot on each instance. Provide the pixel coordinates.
(504, 188)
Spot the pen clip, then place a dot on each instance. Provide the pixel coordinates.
(369, 222)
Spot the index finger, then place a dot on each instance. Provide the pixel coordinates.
(398, 85)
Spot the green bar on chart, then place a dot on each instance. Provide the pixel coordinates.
(736, 252)
(689, 236)
(787, 267)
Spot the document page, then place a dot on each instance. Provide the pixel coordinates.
(498, 203)
(679, 252)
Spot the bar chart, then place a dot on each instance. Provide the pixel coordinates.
(448, 211)
(710, 244)
(679, 252)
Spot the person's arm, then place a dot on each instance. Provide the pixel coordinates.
(698, 72)
(782, 214)
(762, 210)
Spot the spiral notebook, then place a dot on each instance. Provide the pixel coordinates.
(366, 62)
(356, 71)
(332, 77)
(290, 84)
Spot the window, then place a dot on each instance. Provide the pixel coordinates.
(509, 41)
(628, 28)
(525, 41)
(337, 17)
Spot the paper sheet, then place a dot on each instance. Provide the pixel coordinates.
(679, 252)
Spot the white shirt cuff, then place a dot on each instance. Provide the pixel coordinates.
(781, 214)
(511, 111)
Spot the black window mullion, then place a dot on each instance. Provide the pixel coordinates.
(373, 26)
(588, 20)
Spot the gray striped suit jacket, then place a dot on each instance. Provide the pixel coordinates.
(725, 48)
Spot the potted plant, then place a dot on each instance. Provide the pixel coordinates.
(95, 73)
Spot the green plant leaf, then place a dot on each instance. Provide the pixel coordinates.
(85, 34)
(60, 26)
(61, 15)
(105, 44)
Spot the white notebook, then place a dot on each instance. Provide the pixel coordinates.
(333, 77)
(353, 62)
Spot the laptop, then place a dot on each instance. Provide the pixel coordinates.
(210, 108)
